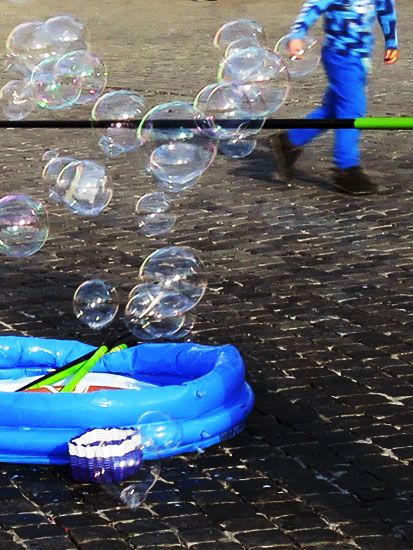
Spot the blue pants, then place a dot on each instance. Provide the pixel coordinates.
(345, 97)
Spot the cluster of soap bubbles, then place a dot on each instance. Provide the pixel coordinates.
(172, 281)
(82, 186)
(53, 67)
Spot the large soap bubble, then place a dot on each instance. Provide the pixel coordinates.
(95, 303)
(122, 106)
(84, 187)
(241, 44)
(87, 68)
(152, 211)
(67, 34)
(51, 88)
(303, 63)
(30, 43)
(16, 101)
(175, 150)
(239, 29)
(225, 106)
(24, 225)
(180, 272)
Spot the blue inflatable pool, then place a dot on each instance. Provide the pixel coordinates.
(202, 387)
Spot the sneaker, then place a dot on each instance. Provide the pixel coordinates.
(286, 155)
(355, 182)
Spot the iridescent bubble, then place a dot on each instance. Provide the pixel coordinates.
(24, 225)
(67, 33)
(241, 44)
(54, 166)
(161, 434)
(144, 318)
(303, 63)
(16, 101)
(153, 214)
(225, 106)
(30, 43)
(181, 274)
(53, 89)
(187, 327)
(239, 29)
(123, 106)
(15, 66)
(87, 68)
(84, 187)
(176, 152)
(237, 148)
(95, 303)
(50, 154)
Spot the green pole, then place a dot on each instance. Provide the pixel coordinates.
(382, 123)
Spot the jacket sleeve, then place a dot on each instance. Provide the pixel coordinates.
(387, 16)
(309, 14)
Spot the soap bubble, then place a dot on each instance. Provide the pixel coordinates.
(176, 151)
(88, 69)
(161, 434)
(53, 89)
(241, 44)
(144, 318)
(239, 29)
(153, 214)
(16, 101)
(30, 43)
(50, 154)
(180, 272)
(306, 61)
(24, 225)
(15, 66)
(54, 166)
(123, 106)
(84, 187)
(225, 106)
(95, 303)
(179, 164)
(67, 33)
(186, 328)
(237, 148)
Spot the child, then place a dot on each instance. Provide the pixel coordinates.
(346, 58)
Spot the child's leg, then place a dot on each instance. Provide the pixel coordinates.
(299, 137)
(348, 80)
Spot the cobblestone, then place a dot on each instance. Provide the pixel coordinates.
(314, 288)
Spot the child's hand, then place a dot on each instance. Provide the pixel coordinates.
(296, 48)
(391, 56)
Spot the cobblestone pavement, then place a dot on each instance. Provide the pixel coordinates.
(311, 285)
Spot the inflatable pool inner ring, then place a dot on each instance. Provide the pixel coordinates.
(201, 387)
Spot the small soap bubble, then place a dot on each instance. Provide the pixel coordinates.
(67, 33)
(152, 211)
(239, 29)
(24, 225)
(161, 434)
(241, 44)
(303, 63)
(182, 275)
(30, 43)
(95, 303)
(54, 166)
(53, 89)
(122, 106)
(50, 154)
(88, 69)
(237, 148)
(16, 101)
(84, 187)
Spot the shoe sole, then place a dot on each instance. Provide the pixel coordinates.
(377, 191)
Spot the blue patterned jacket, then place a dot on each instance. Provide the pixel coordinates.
(348, 24)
